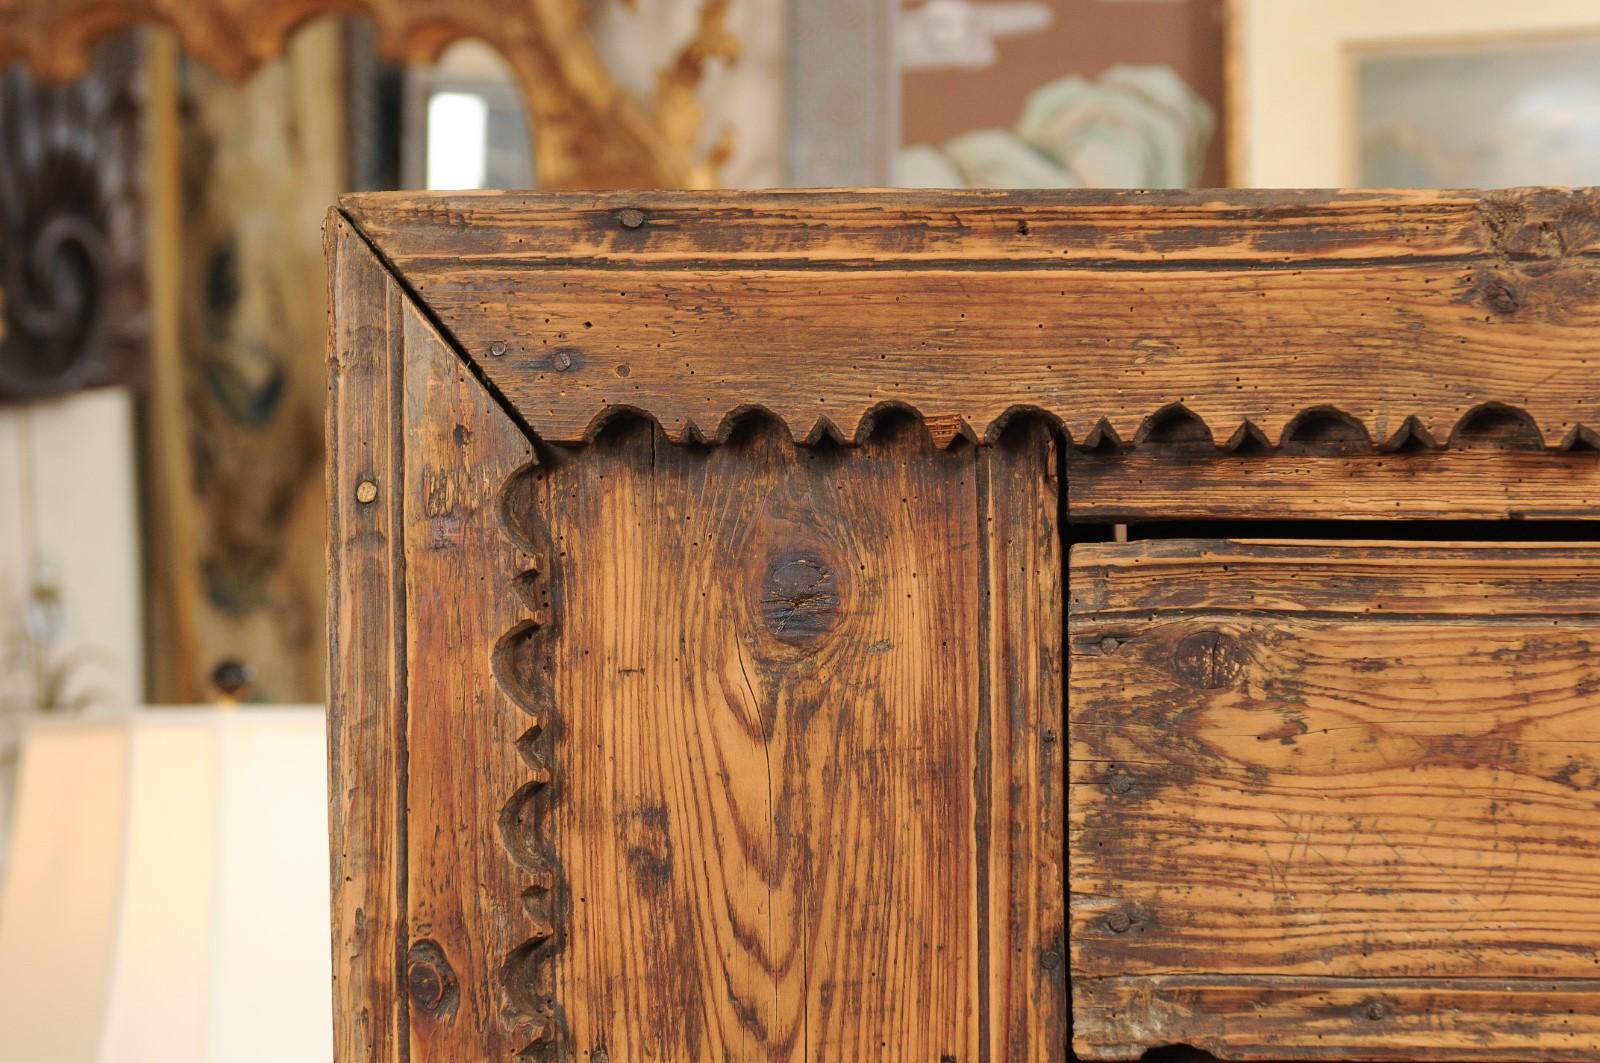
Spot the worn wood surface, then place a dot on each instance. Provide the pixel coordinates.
(662, 749)
(1159, 482)
(366, 652)
(1098, 308)
(681, 752)
(467, 893)
(1325, 801)
(1025, 831)
(795, 813)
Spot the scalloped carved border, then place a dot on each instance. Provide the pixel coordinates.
(522, 667)
(1317, 428)
(1405, 321)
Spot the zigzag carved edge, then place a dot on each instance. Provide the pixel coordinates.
(522, 666)
(1323, 427)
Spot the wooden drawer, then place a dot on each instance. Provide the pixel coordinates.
(1335, 801)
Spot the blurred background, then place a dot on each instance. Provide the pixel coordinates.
(165, 166)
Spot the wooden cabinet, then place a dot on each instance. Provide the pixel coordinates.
(703, 615)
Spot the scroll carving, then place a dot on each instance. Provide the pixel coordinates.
(522, 666)
(593, 133)
(71, 264)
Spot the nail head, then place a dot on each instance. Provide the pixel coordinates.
(366, 492)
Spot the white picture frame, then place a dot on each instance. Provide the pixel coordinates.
(1290, 76)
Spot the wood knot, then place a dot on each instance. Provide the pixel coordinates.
(799, 597)
(1499, 296)
(430, 981)
(1209, 659)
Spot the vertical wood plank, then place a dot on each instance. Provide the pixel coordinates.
(1027, 972)
(467, 910)
(767, 677)
(366, 677)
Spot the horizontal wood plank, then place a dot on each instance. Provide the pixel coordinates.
(1466, 580)
(1308, 762)
(977, 227)
(1339, 1019)
(1157, 483)
(822, 309)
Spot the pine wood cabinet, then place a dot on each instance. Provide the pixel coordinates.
(724, 663)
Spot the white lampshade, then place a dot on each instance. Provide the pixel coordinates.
(168, 891)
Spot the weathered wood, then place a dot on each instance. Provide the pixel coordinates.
(366, 652)
(1025, 832)
(1159, 483)
(667, 750)
(773, 834)
(1341, 1019)
(1292, 763)
(1098, 308)
(465, 890)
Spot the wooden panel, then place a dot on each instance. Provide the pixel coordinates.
(366, 647)
(684, 751)
(1246, 307)
(1292, 764)
(1156, 483)
(775, 752)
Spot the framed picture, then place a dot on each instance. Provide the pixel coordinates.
(1413, 93)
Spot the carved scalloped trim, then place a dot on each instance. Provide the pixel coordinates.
(1322, 427)
(521, 665)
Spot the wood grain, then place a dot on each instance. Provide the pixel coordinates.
(1098, 309)
(774, 828)
(366, 645)
(1027, 968)
(1301, 762)
(466, 905)
(1340, 1019)
(1161, 483)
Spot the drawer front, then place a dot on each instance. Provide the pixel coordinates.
(1335, 801)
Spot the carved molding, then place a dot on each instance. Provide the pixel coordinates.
(522, 666)
(1276, 320)
(592, 133)
(71, 255)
